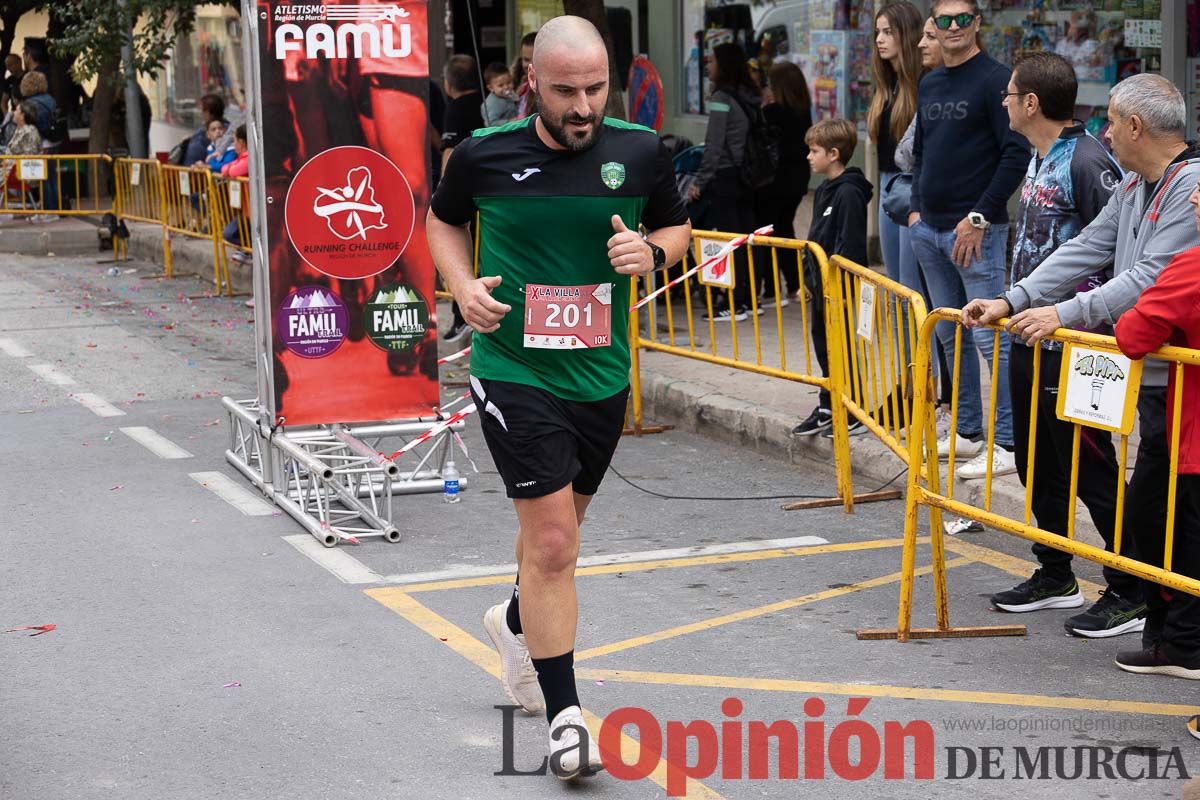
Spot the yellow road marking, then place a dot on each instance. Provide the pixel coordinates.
(1021, 567)
(484, 657)
(750, 613)
(899, 692)
(667, 563)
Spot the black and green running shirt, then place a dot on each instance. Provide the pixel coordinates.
(545, 218)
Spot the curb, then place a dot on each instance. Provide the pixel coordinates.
(189, 256)
(701, 408)
(68, 236)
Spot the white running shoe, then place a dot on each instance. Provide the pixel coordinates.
(517, 674)
(1003, 463)
(963, 447)
(565, 747)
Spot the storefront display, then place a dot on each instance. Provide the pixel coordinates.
(1106, 41)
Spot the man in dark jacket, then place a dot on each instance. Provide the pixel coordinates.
(967, 165)
(839, 226)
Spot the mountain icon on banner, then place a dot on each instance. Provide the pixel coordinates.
(317, 299)
(400, 295)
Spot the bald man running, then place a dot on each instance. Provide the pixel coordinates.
(560, 196)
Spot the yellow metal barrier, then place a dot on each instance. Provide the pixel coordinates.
(188, 198)
(58, 185)
(922, 449)
(878, 335)
(230, 209)
(139, 198)
(758, 345)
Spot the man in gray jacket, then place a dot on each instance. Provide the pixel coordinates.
(1146, 222)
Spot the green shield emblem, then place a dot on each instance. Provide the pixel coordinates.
(613, 174)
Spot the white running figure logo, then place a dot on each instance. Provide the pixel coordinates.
(528, 171)
(370, 13)
(349, 200)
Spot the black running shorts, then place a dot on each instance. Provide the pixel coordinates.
(541, 443)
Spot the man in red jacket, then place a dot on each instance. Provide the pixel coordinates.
(1168, 312)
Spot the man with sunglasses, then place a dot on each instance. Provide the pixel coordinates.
(1147, 220)
(967, 165)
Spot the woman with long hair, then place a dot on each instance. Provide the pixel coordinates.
(735, 99)
(896, 68)
(787, 106)
(931, 59)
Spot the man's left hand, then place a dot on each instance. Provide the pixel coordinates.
(968, 243)
(1035, 323)
(627, 251)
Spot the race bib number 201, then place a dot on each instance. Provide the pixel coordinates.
(568, 317)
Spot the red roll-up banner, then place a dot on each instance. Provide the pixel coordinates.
(344, 91)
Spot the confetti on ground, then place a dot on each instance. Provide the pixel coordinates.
(39, 628)
(232, 685)
(118, 486)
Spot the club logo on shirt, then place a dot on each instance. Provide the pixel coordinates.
(613, 174)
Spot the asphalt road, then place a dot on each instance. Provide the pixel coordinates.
(198, 653)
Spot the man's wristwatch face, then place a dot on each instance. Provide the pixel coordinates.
(977, 221)
(660, 255)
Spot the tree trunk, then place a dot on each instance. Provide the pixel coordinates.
(108, 82)
(593, 12)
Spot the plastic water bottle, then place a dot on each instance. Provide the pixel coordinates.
(450, 487)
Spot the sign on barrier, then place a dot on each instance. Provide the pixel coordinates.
(185, 184)
(31, 169)
(1098, 388)
(135, 174)
(719, 274)
(235, 194)
(866, 312)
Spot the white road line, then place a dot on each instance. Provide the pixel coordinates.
(156, 443)
(50, 373)
(238, 496)
(345, 567)
(471, 571)
(97, 404)
(11, 348)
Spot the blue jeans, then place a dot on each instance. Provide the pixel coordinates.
(953, 287)
(901, 262)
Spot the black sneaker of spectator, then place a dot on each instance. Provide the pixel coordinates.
(1111, 615)
(456, 333)
(1153, 661)
(821, 419)
(1037, 593)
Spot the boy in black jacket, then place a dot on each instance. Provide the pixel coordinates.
(839, 226)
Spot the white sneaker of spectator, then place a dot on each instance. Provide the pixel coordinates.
(941, 420)
(42, 219)
(1003, 463)
(963, 447)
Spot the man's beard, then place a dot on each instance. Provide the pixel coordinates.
(576, 142)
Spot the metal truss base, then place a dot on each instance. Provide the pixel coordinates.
(333, 479)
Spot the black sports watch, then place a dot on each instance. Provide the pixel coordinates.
(660, 255)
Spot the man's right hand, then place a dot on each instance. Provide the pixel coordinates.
(978, 313)
(478, 308)
(913, 218)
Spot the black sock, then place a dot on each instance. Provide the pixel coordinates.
(556, 676)
(514, 609)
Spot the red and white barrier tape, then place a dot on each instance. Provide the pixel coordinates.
(466, 351)
(724, 252)
(434, 431)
